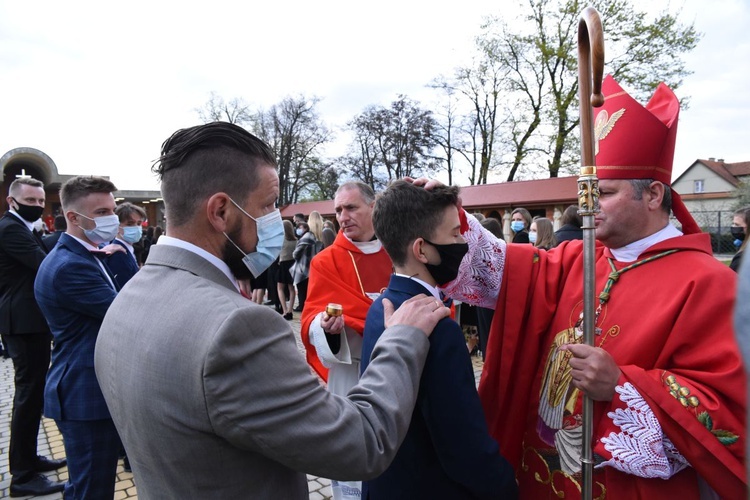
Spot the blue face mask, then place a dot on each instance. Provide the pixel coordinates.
(270, 230)
(517, 225)
(132, 234)
(532, 237)
(105, 230)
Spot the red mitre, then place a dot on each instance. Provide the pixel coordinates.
(636, 142)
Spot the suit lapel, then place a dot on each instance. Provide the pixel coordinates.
(38, 239)
(74, 246)
(34, 232)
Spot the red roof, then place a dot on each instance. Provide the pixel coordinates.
(738, 169)
(521, 193)
(536, 193)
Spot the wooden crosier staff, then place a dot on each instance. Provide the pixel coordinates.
(590, 67)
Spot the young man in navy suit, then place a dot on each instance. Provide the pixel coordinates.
(122, 261)
(74, 289)
(447, 452)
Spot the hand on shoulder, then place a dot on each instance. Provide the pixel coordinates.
(421, 311)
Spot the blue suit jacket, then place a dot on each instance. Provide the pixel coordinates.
(447, 452)
(122, 265)
(74, 294)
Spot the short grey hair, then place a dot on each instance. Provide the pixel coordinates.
(368, 195)
(641, 185)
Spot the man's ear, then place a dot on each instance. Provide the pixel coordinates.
(417, 250)
(70, 217)
(217, 211)
(655, 193)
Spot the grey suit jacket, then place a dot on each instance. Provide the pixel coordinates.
(213, 399)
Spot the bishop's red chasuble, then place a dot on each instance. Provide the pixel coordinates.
(667, 324)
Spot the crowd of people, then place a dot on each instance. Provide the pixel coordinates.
(213, 400)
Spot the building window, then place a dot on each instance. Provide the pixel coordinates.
(698, 186)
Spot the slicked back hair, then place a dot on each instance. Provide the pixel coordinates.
(200, 161)
(368, 195)
(405, 212)
(79, 187)
(124, 210)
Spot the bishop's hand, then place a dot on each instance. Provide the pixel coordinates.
(593, 371)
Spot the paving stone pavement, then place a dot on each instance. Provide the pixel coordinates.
(50, 441)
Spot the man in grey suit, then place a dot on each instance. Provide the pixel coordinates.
(210, 393)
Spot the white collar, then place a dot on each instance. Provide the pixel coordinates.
(366, 247)
(88, 246)
(28, 224)
(176, 242)
(631, 251)
(433, 290)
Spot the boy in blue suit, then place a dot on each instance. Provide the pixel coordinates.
(447, 452)
(121, 260)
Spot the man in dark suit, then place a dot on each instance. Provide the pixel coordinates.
(74, 289)
(121, 261)
(447, 452)
(25, 335)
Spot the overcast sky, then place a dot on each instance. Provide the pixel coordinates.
(98, 86)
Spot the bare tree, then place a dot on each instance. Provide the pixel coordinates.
(216, 109)
(296, 133)
(391, 143)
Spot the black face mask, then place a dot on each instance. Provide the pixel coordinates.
(738, 232)
(30, 213)
(450, 260)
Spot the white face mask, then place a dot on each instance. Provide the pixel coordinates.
(105, 230)
(532, 237)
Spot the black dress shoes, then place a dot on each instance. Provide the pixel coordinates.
(38, 485)
(44, 464)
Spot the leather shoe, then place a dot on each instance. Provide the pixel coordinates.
(38, 485)
(44, 464)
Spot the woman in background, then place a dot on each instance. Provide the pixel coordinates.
(740, 222)
(571, 225)
(285, 283)
(541, 234)
(520, 221)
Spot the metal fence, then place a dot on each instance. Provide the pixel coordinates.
(717, 224)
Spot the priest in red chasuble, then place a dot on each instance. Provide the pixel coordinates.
(665, 373)
(351, 272)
